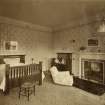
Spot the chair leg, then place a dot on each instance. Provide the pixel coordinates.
(40, 82)
(34, 90)
(19, 92)
(28, 94)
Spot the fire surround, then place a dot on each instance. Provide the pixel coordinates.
(93, 70)
(89, 82)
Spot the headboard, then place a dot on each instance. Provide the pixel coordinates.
(21, 56)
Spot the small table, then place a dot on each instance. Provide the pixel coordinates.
(27, 89)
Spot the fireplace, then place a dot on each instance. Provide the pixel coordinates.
(91, 76)
(93, 70)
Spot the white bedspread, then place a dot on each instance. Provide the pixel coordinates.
(13, 62)
(17, 64)
(2, 77)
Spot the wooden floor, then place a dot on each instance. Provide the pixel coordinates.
(51, 94)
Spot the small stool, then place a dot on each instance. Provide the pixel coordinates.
(27, 89)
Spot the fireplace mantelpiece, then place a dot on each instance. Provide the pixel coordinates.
(94, 55)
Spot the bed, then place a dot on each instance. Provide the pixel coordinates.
(14, 74)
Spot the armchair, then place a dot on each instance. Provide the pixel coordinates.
(63, 78)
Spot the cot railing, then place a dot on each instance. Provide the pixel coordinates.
(18, 74)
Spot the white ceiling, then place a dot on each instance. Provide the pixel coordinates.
(52, 13)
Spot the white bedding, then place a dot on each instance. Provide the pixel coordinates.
(13, 62)
(2, 77)
(17, 64)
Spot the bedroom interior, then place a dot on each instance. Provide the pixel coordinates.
(37, 35)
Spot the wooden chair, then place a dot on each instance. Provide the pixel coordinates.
(26, 89)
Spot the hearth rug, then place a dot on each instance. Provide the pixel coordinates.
(94, 88)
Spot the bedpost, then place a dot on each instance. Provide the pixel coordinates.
(40, 68)
(7, 79)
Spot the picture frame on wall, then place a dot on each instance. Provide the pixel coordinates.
(11, 45)
(93, 42)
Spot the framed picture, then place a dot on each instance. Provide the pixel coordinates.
(10, 45)
(93, 42)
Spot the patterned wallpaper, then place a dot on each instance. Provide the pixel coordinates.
(35, 44)
(71, 39)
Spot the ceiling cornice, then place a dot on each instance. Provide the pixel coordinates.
(74, 25)
(9, 21)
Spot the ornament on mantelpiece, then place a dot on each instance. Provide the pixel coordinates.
(72, 41)
(64, 48)
(32, 60)
(99, 50)
(93, 35)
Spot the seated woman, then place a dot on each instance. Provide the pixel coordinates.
(63, 78)
(60, 64)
